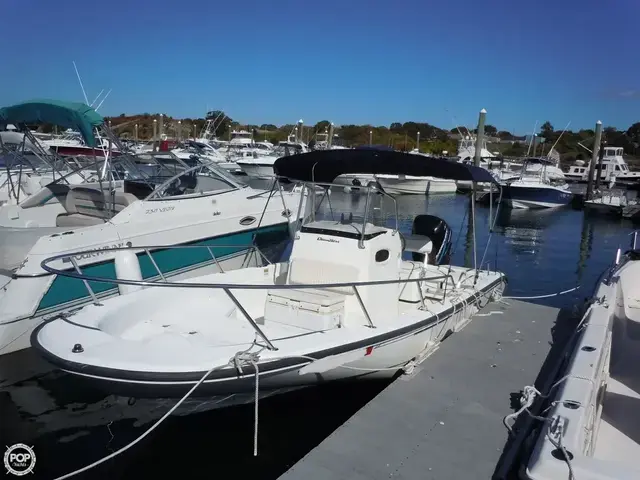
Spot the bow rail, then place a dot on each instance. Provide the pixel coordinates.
(161, 279)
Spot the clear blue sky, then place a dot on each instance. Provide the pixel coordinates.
(348, 61)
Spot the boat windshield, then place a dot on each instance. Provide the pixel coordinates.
(205, 178)
(284, 149)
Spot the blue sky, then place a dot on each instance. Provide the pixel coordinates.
(348, 61)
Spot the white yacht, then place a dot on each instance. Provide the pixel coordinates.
(257, 164)
(614, 169)
(241, 138)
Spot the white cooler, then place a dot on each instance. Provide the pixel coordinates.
(309, 308)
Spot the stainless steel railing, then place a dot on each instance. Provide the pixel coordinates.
(76, 272)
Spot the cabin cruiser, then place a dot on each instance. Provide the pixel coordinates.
(614, 169)
(588, 422)
(241, 139)
(345, 303)
(218, 222)
(258, 165)
(207, 153)
(403, 184)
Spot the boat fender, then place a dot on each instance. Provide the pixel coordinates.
(127, 268)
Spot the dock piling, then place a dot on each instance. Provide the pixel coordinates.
(479, 137)
(594, 159)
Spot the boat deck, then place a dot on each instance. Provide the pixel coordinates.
(445, 420)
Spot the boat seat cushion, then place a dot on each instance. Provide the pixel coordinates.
(315, 272)
(86, 206)
(89, 201)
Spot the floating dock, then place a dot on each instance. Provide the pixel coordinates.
(445, 421)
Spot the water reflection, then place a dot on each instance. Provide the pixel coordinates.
(523, 230)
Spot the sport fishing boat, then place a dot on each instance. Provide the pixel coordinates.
(535, 190)
(344, 306)
(590, 426)
(202, 210)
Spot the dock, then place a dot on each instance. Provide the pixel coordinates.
(445, 421)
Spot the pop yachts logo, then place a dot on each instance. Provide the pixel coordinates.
(19, 459)
(97, 252)
(330, 240)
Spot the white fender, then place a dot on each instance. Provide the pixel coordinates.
(127, 268)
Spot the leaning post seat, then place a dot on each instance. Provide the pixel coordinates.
(330, 252)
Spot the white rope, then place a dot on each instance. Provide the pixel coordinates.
(237, 360)
(251, 358)
(543, 296)
(560, 447)
(151, 429)
(488, 314)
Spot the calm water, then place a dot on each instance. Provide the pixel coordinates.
(541, 252)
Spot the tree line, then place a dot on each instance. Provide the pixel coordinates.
(571, 145)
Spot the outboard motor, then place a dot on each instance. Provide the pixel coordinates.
(440, 234)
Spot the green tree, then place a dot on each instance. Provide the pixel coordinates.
(490, 130)
(633, 133)
(322, 125)
(515, 150)
(223, 123)
(546, 131)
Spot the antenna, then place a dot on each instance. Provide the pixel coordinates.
(97, 97)
(102, 101)
(565, 129)
(86, 100)
(532, 137)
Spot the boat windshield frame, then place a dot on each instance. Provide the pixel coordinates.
(212, 167)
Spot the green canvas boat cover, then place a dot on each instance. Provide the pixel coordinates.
(74, 115)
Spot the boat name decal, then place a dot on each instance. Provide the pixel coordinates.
(330, 240)
(97, 253)
(159, 209)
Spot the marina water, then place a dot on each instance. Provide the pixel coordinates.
(541, 251)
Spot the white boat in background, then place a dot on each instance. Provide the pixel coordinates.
(614, 169)
(407, 184)
(218, 222)
(26, 165)
(257, 164)
(241, 138)
(344, 303)
(591, 427)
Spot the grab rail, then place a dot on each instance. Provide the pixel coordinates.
(77, 273)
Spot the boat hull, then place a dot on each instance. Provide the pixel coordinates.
(376, 357)
(257, 170)
(416, 185)
(64, 293)
(515, 196)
